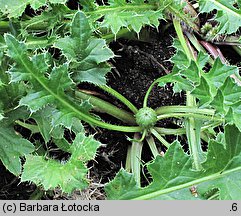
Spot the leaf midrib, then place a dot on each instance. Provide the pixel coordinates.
(66, 103)
(107, 9)
(188, 184)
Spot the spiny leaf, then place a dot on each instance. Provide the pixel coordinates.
(46, 89)
(58, 81)
(84, 148)
(52, 17)
(202, 92)
(118, 14)
(43, 119)
(228, 16)
(173, 175)
(66, 119)
(69, 175)
(12, 147)
(218, 73)
(205, 85)
(231, 91)
(15, 8)
(37, 100)
(52, 122)
(51, 173)
(229, 95)
(86, 54)
(88, 5)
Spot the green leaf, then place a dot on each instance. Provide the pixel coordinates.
(43, 119)
(37, 100)
(12, 147)
(173, 175)
(88, 5)
(15, 8)
(202, 92)
(227, 102)
(69, 175)
(66, 119)
(218, 74)
(218, 102)
(124, 183)
(228, 16)
(84, 148)
(50, 173)
(46, 89)
(117, 14)
(180, 58)
(231, 92)
(51, 18)
(52, 122)
(116, 20)
(236, 114)
(86, 53)
(213, 87)
(52, 88)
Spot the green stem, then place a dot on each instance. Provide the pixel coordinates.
(148, 93)
(136, 150)
(160, 138)
(195, 115)
(170, 131)
(32, 128)
(211, 125)
(30, 44)
(180, 131)
(128, 159)
(152, 145)
(101, 105)
(183, 17)
(197, 45)
(95, 122)
(193, 136)
(183, 109)
(192, 127)
(182, 39)
(4, 26)
(120, 97)
(138, 140)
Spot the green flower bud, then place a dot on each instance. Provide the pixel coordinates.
(146, 117)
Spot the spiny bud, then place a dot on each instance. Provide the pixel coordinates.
(146, 117)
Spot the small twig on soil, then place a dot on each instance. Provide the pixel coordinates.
(107, 159)
(150, 56)
(114, 69)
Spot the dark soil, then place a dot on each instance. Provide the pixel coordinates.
(10, 187)
(137, 65)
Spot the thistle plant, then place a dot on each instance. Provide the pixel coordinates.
(39, 92)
